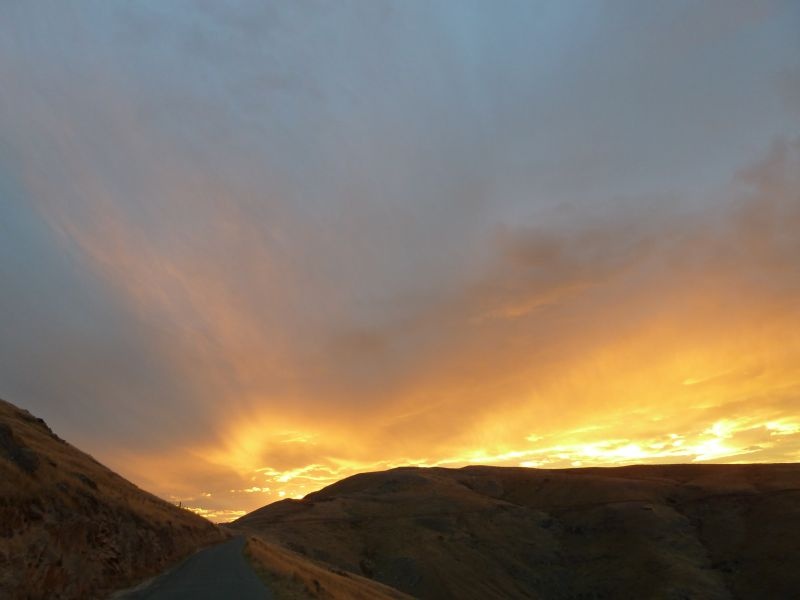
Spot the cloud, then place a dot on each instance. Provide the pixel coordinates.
(269, 248)
(641, 324)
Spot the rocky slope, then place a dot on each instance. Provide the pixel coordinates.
(71, 528)
(667, 531)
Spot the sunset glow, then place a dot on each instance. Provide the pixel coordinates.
(242, 270)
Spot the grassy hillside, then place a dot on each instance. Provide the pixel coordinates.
(71, 528)
(668, 531)
(291, 576)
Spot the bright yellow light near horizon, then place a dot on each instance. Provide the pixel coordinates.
(621, 405)
(728, 439)
(721, 439)
(783, 427)
(637, 365)
(217, 516)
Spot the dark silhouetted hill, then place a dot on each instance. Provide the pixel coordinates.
(661, 531)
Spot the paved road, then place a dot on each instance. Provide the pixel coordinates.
(217, 573)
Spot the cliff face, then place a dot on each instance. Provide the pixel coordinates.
(667, 531)
(71, 528)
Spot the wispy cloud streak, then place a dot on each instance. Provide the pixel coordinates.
(283, 244)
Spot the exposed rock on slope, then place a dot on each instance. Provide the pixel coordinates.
(668, 531)
(71, 528)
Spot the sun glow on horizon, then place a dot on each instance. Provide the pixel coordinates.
(723, 440)
(238, 268)
(637, 408)
(633, 406)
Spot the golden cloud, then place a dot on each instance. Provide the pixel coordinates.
(642, 336)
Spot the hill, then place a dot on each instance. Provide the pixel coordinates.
(291, 576)
(70, 527)
(660, 531)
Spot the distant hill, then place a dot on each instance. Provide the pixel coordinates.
(666, 531)
(71, 528)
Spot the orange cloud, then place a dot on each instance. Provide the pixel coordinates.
(311, 353)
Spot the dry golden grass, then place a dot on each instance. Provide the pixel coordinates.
(71, 528)
(294, 577)
(660, 531)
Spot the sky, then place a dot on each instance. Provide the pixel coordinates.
(250, 248)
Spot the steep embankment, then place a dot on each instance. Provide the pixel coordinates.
(668, 531)
(71, 528)
(294, 577)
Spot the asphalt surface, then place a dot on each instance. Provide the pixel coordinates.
(217, 573)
